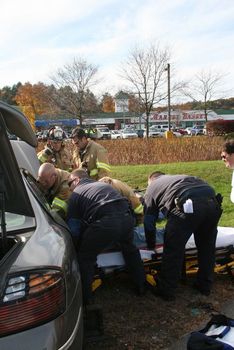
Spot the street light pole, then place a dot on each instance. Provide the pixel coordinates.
(169, 96)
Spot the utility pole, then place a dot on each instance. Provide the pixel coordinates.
(169, 96)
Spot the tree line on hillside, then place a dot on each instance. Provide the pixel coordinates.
(46, 101)
(43, 99)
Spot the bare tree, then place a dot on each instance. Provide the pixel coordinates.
(145, 69)
(205, 87)
(73, 82)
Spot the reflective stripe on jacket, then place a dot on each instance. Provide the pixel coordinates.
(60, 206)
(139, 210)
(43, 158)
(59, 194)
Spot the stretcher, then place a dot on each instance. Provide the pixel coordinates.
(113, 261)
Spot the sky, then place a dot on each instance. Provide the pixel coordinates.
(39, 37)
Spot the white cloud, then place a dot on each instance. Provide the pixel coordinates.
(39, 37)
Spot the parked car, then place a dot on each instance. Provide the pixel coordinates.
(40, 290)
(195, 130)
(39, 135)
(115, 134)
(176, 133)
(140, 132)
(159, 127)
(190, 131)
(43, 136)
(153, 133)
(160, 132)
(128, 134)
(199, 130)
(181, 131)
(105, 133)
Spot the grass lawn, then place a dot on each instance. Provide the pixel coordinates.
(214, 172)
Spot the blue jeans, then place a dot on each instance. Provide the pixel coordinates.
(139, 236)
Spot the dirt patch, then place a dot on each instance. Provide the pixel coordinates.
(147, 323)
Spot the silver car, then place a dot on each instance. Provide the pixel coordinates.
(128, 134)
(40, 286)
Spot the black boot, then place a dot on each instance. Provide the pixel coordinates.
(163, 293)
(93, 322)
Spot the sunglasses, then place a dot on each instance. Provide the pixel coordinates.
(70, 182)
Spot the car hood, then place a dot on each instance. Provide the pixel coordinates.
(11, 182)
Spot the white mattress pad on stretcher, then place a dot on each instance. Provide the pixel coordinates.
(225, 238)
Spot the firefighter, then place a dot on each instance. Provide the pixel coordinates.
(136, 202)
(55, 151)
(191, 207)
(99, 217)
(89, 155)
(127, 192)
(54, 184)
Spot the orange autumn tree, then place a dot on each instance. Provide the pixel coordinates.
(34, 100)
(108, 103)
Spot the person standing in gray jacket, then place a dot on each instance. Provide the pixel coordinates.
(190, 206)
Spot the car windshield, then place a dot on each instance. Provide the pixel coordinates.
(157, 127)
(129, 132)
(103, 130)
(17, 222)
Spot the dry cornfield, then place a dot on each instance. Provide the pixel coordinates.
(160, 150)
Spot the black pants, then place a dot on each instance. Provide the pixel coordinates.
(101, 235)
(203, 223)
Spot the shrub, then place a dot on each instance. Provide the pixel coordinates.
(219, 127)
(160, 150)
